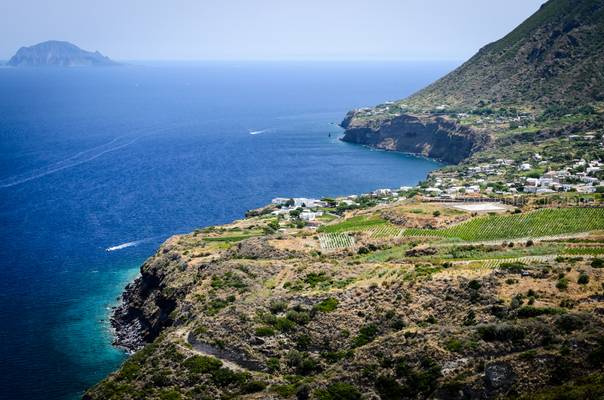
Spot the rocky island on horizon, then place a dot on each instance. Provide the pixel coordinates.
(58, 54)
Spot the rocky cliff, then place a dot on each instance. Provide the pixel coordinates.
(434, 137)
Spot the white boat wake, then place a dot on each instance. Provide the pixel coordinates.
(77, 159)
(124, 245)
(257, 132)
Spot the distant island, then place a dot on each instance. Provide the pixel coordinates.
(59, 54)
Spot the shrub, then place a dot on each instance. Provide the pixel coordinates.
(366, 334)
(562, 284)
(299, 317)
(570, 322)
(454, 345)
(597, 263)
(583, 279)
(474, 284)
(253, 387)
(501, 332)
(202, 364)
(529, 311)
(327, 305)
(513, 267)
(436, 213)
(277, 306)
(272, 363)
(338, 391)
(265, 331)
(284, 324)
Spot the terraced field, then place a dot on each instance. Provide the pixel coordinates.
(385, 231)
(540, 223)
(583, 251)
(355, 224)
(332, 241)
(376, 227)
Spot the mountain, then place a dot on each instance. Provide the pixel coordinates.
(546, 75)
(57, 53)
(555, 56)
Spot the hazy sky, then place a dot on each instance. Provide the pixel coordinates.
(264, 29)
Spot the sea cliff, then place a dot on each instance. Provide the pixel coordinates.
(430, 136)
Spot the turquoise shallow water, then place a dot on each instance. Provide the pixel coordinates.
(122, 158)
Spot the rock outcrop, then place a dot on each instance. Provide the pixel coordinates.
(434, 136)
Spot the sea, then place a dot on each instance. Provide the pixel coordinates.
(98, 166)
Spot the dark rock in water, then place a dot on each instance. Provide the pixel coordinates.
(60, 54)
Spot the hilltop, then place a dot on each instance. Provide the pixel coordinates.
(58, 53)
(555, 57)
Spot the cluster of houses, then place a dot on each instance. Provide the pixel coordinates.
(566, 180)
(578, 177)
(309, 207)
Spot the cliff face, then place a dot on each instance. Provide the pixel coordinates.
(57, 53)
(147, 302)
(434, 137)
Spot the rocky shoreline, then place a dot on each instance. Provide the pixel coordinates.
(127, 331)
(433, 137)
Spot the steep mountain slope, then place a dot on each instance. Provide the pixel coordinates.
(547, 74)
(57, 53)
(555, 56)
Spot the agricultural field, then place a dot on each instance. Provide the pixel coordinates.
(583, 251)
(332, 241)
(540, 223)
(354, 224)
(385, 231)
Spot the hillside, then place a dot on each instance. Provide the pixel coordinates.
(554, 57)
(485, 281)
(390, 299)
(59, 54)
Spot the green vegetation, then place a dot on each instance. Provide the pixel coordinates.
(545, 222)
(354, 224)
(327, 305)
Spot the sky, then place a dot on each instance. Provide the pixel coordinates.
(264, 29)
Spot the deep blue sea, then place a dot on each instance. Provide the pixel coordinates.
(96, 158)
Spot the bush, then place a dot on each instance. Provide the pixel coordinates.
(265, 331)
(474, 284)
(570, 322)
(454, 345)
(277, 306)
(529, 311)
(253, 387)
(202, 364)
(501, 332)
(513, 267)
(338, 391)
(583, 279)
(562, 284)
(366, 335)
(327, 305)
(597, 263)
(284, 324)
(299, 317)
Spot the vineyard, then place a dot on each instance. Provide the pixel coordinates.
(584, 251)
(540, 223)
(355, 224)
(376, 227)
(332, 241)
(385, 231)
